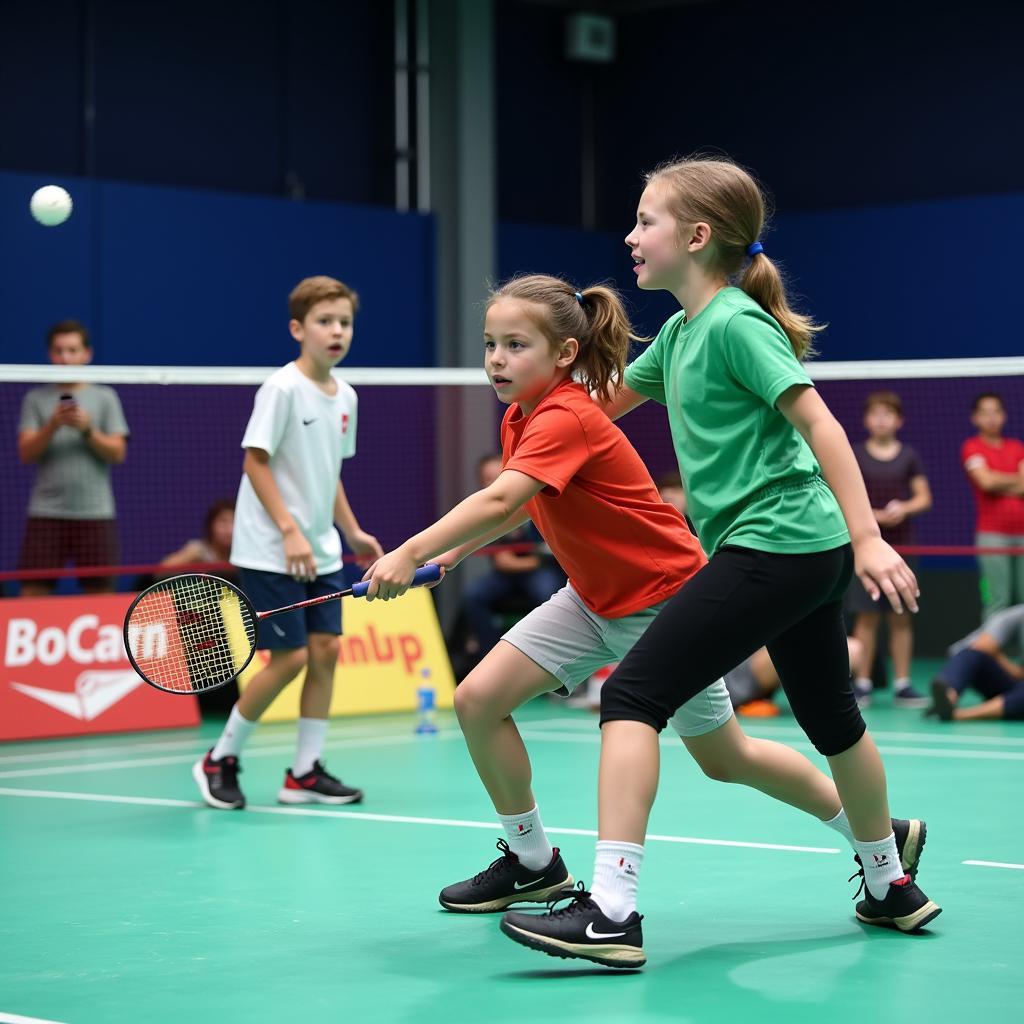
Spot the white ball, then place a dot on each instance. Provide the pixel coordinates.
(50, 205)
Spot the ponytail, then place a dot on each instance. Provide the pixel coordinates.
(605, 346)
(763, 283)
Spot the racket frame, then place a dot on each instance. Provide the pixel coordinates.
(429, 573)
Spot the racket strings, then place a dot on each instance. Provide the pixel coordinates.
(191, 633)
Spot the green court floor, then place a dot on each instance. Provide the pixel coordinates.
(125, 900)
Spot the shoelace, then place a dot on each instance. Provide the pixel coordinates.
(863, 882)
(318, 766)
(229, 769)
(580, 896)
(500, 864)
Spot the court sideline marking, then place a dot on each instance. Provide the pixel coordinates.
(398, 819)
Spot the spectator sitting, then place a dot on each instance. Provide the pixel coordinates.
(75, 433)
(215, 544)
(995, 466)
(527, 578)
(980, 661)
(898, 491)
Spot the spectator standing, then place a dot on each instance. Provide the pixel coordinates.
(995, 466)
(898, 491)
(74, 433)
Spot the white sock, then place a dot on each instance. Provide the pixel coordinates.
(881, 863)
(864, 683)
(842, 825)
(309, 745)
(527, 839)
(235, 735)
(616, 871)
(901, 684)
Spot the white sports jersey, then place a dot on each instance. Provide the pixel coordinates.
(307, 435)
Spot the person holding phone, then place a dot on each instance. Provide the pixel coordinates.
(74, 433)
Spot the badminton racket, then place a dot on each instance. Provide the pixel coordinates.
(193, 633)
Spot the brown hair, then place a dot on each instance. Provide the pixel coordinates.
(994, 395)
(224, 505)
(67, 327)
(597, 320)
(311, 290)
(889, 398)
(719, 193)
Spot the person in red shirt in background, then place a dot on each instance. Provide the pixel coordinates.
(995, 466)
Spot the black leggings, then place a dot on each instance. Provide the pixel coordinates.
(740, 601)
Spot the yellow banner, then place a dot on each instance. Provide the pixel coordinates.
(388, 651)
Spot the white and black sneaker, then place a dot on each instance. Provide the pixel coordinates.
(580, 931)
(218, 782)
(904, 907)
(505, 882)
(317, 786)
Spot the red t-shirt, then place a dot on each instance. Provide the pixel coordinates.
(622, 547)
(997, 513)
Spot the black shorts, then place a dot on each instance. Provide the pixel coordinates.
(740, 601)
(53, 543)
(291, 630)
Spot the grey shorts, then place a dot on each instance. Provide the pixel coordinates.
(568, 640)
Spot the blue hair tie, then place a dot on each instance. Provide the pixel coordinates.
(754, 248)
(579, 299)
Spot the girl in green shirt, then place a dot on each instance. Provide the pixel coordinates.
(779, 504)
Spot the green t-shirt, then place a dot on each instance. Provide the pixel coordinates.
(750, 478)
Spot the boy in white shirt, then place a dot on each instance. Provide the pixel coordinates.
(285, 544)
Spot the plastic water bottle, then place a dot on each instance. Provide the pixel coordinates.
(426, 706)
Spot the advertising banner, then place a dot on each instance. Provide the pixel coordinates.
(389, 650)
(65, 672)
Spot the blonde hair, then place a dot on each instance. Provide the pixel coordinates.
(311, 290)
(723, 195)
(597, 320)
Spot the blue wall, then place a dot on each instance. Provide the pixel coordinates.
(912, 281)
(281, 97)
(181, 277)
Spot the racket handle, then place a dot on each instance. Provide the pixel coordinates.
(425, 574)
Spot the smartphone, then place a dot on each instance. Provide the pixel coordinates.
(67, 399)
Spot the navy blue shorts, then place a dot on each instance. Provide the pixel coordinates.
(291, 629)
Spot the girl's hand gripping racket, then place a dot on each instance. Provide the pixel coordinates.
(193, 633)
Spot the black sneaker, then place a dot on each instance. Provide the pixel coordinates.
(218, 782)
(904, 907)
(505, 882)
(911, 835)
(316, 787)
(580, 931)
(942, 706)
(908, 697)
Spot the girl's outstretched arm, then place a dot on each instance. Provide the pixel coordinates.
(879, 567)
(479, 514)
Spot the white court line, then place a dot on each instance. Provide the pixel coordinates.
(80, 752)
(265, 751)
(397, 819)
(770, 731)
(14, 1018)
(993, 864)
(550, 736)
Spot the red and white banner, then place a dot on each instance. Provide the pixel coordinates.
(65, 672)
